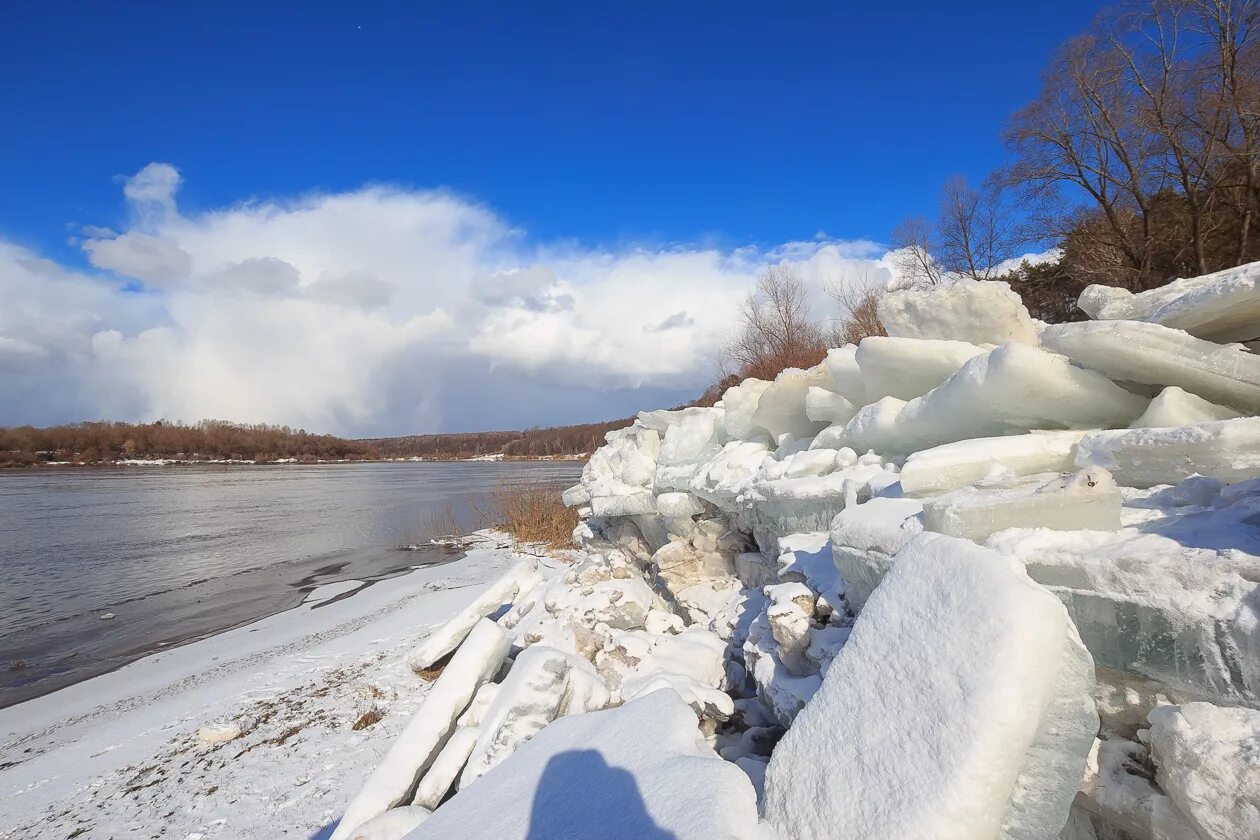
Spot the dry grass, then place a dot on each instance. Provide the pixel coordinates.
(535, 513)
(368, 718)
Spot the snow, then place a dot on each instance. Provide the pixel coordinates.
(1209, 765)
(1224, 306)
(1085, 500)
(637, 772)
(394, 824)
(964, 462)
(394, 779)
(1157, 355)
(909, 367)
(980, 313)
(118, 754)
(1228, 450)
(444, 770)
(961, 707)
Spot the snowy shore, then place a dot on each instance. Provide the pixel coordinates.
(119, 755)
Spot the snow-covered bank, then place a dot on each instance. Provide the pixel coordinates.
(119, 755)
(980, 579)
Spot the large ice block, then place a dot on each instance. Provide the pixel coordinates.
(1013, 389)
(637, 772)
(726, 476)
(866, 537)
(780, 506)
(1086, 500)
(1155, 355)
(694, 438)
(846, 376)
(906, 368)
(740, 403)
(961, 708)
(823, 406)
(1228, 450)
(781, 409)
(1224, 306)
(981, 313)
(953, 465)
(1208, 760)
(1147, 605)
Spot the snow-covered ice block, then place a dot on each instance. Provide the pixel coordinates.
(637, 772)
(392, 781)
(781, 409)
(906, 368)
(1119, 799)
(1147, 605)
(1088, 500)
(445, 769)
(874, 427)
(846, 376)
(1012, 389)
(678, 505)
(576, 496)
(1228, 450)
(1155, 355)
(960, 708)
(394, 824)
(791, 618)
(639, 503)
(740, 402)
(696, 437)
(723, 479)
(1175, 407)
(781, 506)
(1208, 760)
(806, 558)
(864, 540)
(964, 462)
(981, 313)
(538, 689)
(1222, 307)
(521, 577)
(782, 693)
(823, 406)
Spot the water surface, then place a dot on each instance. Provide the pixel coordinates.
(179, 553)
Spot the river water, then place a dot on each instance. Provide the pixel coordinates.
(180, 553)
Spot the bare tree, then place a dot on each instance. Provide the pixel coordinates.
(777, 329)
(974, 232)
(914, 252)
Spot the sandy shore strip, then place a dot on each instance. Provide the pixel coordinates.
(131, 753)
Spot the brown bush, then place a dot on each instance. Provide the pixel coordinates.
(861, 319)
(777, 330)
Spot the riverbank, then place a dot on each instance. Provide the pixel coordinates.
(279, 462)
(119, 755)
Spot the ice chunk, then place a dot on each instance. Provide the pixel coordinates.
(1175, 407)
(906, 368)
(864, 540)
(1156, 355)
(806, 558)
(446, 768)
(638, 503)
(1119, 800)
(1224, 306)
(637, 772)
(780, 506)
(1209, 764)
(953, 465)
(961, 708)
(846, 376)
(874, 427)
(782, 693)
(823, 406)
(723, 479)
(781, 409)
(791, 617)
(678, 505)
(1088, 500)
(981, 313)
(1228, 450)
(740, 403)
(1015, 388)
(522, 576)
(395, 777)
(1147, 605)
(536, 691)
(394, 824)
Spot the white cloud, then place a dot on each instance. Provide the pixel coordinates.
(377, 311)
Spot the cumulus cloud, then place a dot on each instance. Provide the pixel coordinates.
(376, 311)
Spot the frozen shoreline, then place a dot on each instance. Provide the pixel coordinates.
(118, 755)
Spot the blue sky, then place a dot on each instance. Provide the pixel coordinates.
(604, 122)
(378, 218)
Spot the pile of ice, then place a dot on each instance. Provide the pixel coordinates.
(978, 578)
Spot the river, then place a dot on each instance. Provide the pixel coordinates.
(179, 553)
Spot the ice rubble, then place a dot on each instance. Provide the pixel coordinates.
(901, 563)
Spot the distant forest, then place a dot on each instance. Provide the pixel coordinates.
(215, 440)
